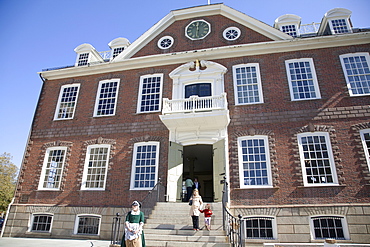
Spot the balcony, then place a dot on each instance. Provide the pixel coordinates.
(196, 119)
(195, 104)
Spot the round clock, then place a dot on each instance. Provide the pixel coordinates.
(197, 29)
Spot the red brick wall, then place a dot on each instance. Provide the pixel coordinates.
(278, 115)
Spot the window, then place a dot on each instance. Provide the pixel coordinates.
(260, 228)
(41, 222)
(356, 70)
(106, 98)
(83, 59)
(87, 224)
(52, 170)
(96, 166)
(290, 30)
(302, 79)
(317, 158)
(231, 33)
(365, 138)
(254, 161)
(247, 84)
(67, 102)
(150, 93)
(339, 26)
(324, 227)
(117, 51)
(144, 165)
(165, 42)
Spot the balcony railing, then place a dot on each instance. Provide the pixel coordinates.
(195, 104)
(309, 28)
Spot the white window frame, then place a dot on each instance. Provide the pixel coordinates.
(97, 99)
(86, 166)
(313, 74)
(273, 223)
(134, 159)
(140, 102)
(44, 168)
(77, 221)
(241, 165)
(234, 30)
(165, 42)
(85, 61)
(366, 148)
(116, 51)
(58, 108)
(349, 28)
(259, 83)
(343, 221)
(290, 32)
(347, 76)
(330, 159)
(32, 219)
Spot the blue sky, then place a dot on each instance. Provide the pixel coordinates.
(40, 34)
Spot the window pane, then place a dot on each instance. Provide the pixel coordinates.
(150, 94)
(53, 168)
(145, 159)
(97, 165)
(358, 74)
(247, 85)
(67, 102)
(254, 159)
(317, 163)
(301, 79)
(41, 223)
(88, 225)
(107, 97)
(259, 228)
(328, 227)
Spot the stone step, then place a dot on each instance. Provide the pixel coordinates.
(180, 220)
(187, 238)
(188, 232)
(163, 243)
(176, 226)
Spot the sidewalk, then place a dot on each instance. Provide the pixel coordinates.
(38, 242)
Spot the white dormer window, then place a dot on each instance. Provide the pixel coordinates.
(83, 59)
(87, 55)
(288, 24)
(117, 51)
(339, 26)
(117, 46)
(336, 21)
(290, 30)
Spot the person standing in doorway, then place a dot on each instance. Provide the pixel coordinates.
(189, 188)
(196, 184)
(194, 209)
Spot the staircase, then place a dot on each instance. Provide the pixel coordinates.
(170, 225)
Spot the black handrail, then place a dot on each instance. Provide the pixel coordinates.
(232, 225)
(157, 194)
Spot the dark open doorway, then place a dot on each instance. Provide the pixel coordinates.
(198, 163)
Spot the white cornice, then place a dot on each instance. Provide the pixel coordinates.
(213, 54)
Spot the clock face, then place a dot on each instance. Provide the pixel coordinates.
(197, 30)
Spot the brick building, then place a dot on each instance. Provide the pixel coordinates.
(282, 111)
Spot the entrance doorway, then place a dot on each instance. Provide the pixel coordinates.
(198, 163)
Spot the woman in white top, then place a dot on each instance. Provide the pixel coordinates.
(194, 210)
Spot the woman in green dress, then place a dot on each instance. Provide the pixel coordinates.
(134, 235)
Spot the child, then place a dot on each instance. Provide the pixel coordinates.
(207, 216)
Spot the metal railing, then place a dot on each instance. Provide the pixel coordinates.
(233, 226)
(115, 238)
(157, 194)
(195, 104)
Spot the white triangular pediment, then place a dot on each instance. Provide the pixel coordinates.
(201, 11)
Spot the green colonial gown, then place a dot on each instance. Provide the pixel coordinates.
(134, 219)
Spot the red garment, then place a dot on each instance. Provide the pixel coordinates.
(207, 212)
